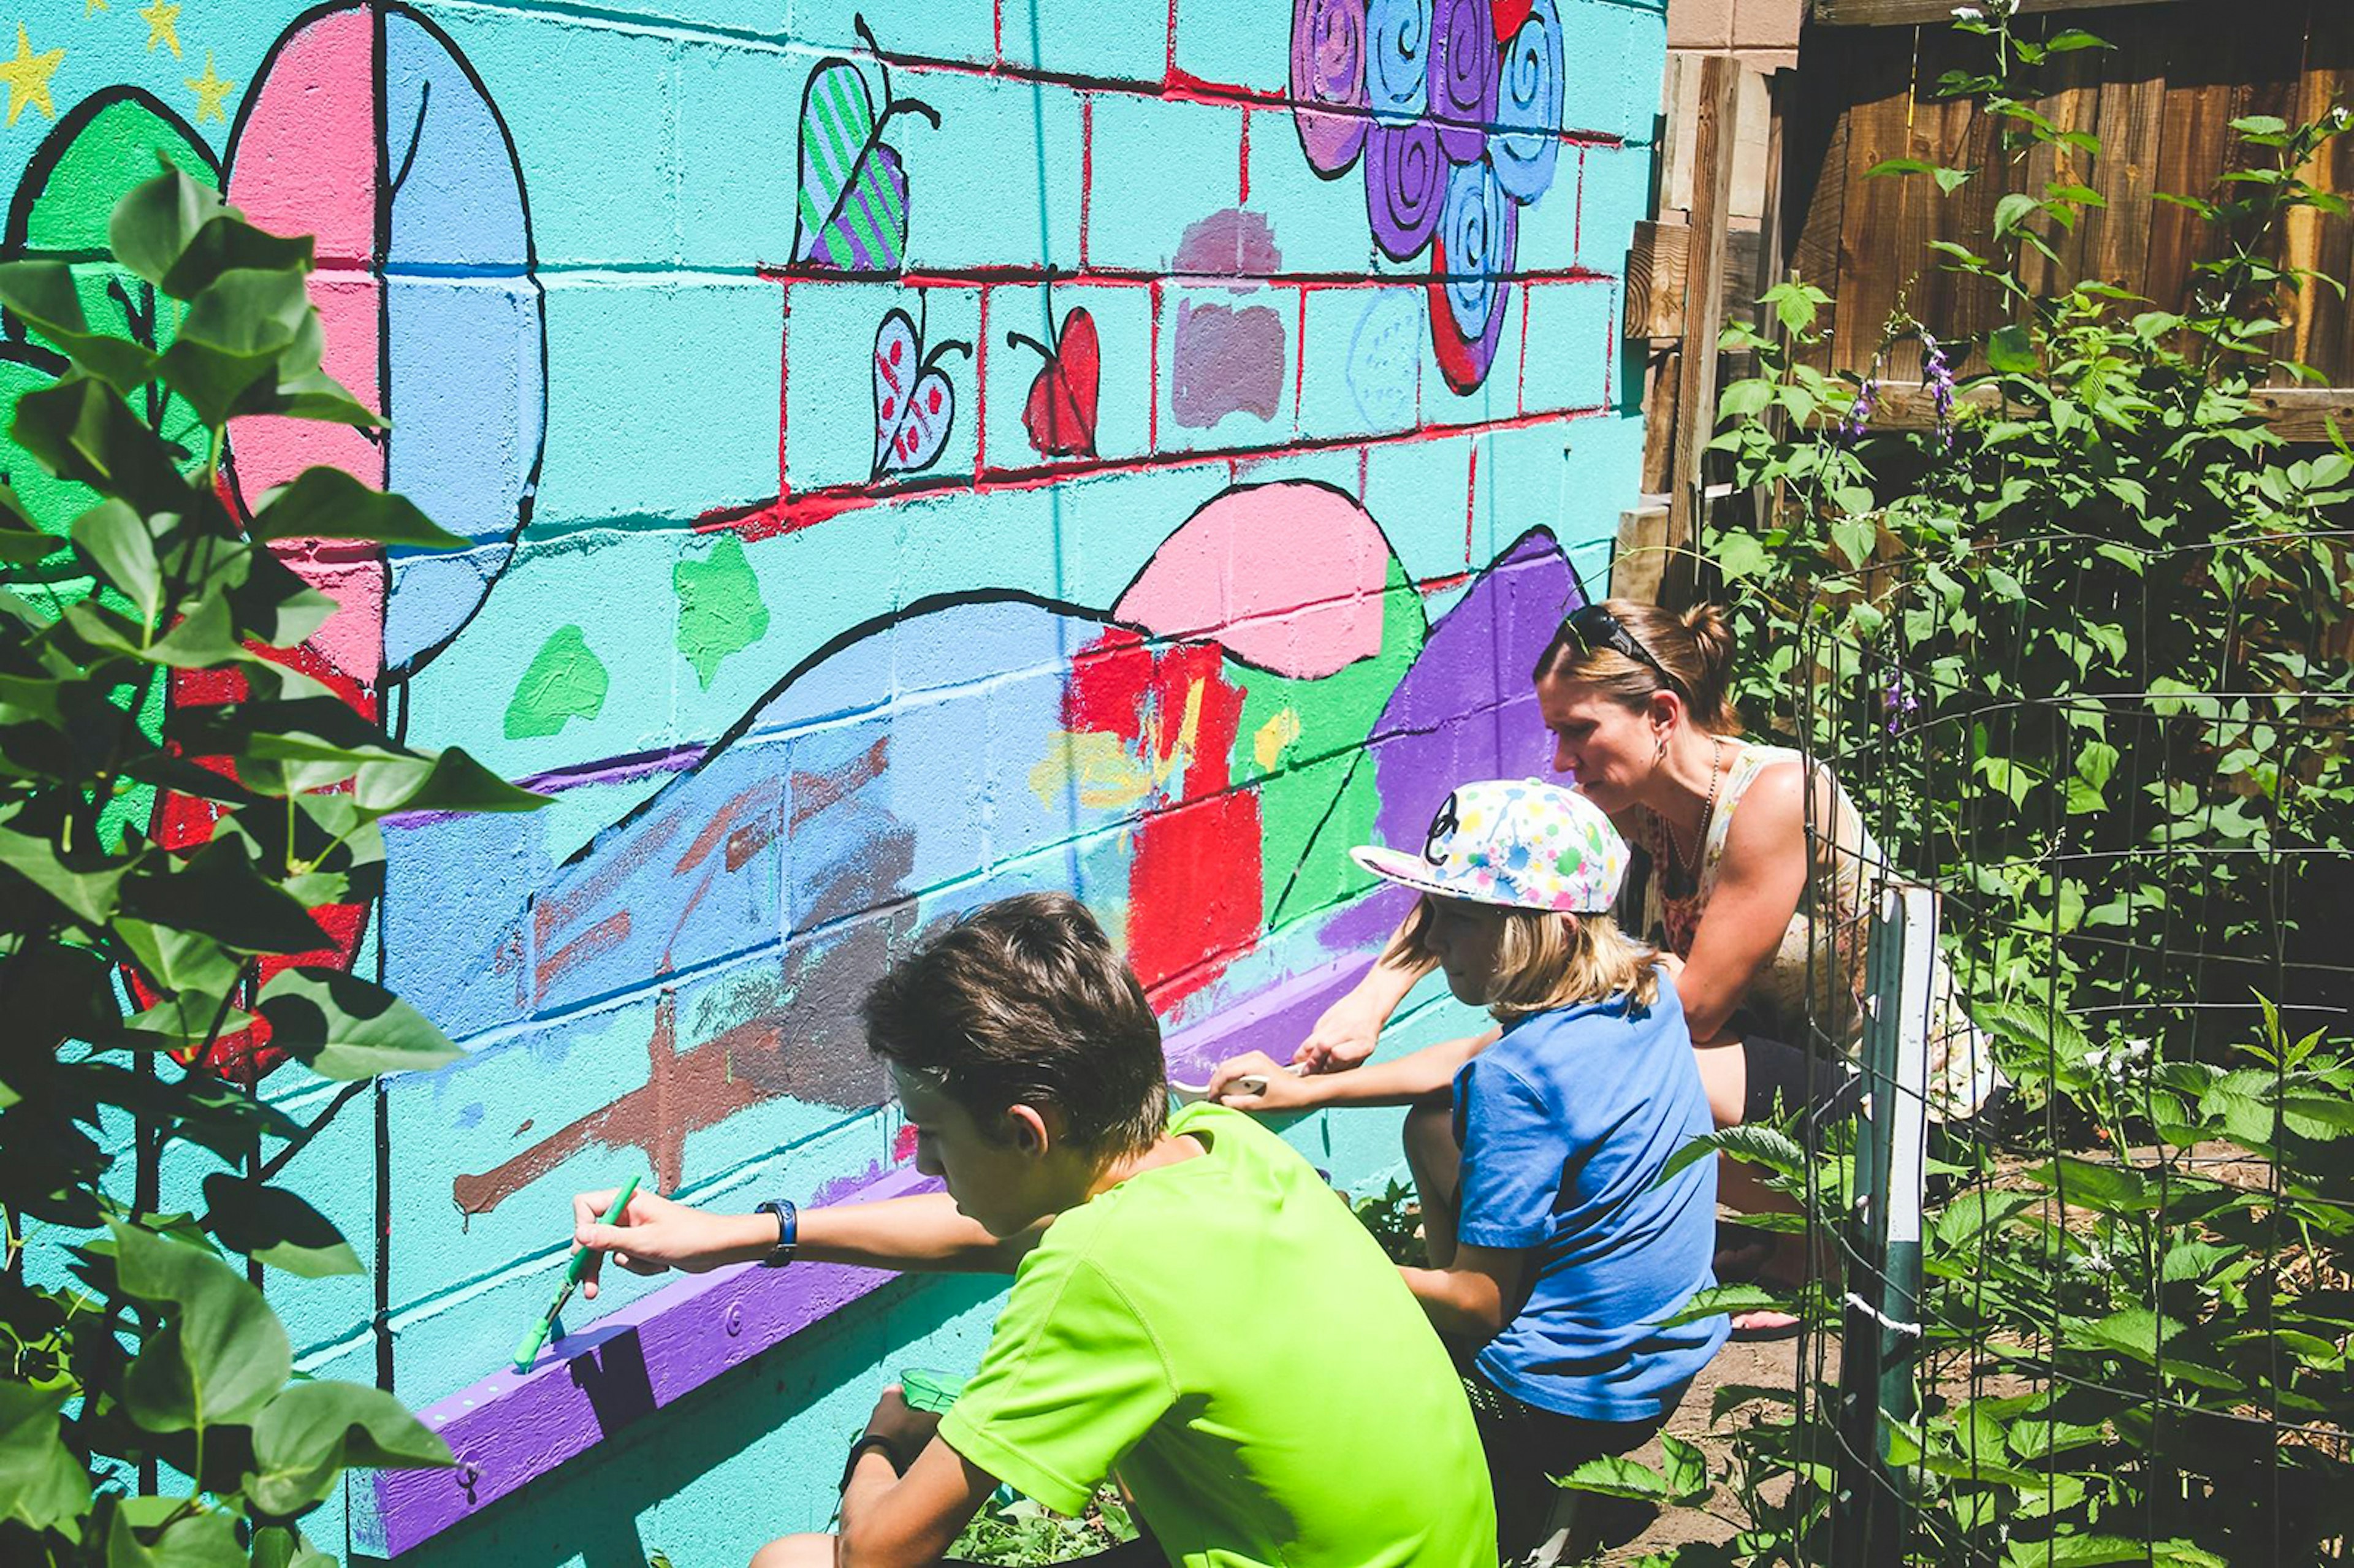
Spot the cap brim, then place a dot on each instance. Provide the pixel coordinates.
(1413, 871)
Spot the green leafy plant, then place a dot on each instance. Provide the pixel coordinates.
(1022, 1533)
(149, 1410)
(2077, 650)
(1394, 1218)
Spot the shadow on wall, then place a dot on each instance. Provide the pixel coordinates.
(605, 1511)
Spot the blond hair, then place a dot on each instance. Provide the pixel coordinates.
(1694, 649)
(1546, 959)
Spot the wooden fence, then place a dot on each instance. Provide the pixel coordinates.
(2161, 102)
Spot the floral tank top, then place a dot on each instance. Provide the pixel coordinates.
(1826, 940)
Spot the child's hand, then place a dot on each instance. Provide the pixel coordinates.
(1343, 1037)
(902, 1427)
(1283, 1090)
(655, 1234)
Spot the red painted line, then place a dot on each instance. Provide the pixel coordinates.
(1300, 362)
(1521, 382)
(1169, 62)
(997, 32)
(1086, 170)
(980, 395)
(1243, 198)
(1364, 462)
(1471, 496)
(1152, 371)
(762, 520)
(784, 368)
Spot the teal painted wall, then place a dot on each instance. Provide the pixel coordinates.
(1053, 453)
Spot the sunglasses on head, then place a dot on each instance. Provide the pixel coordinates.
(1594, 626)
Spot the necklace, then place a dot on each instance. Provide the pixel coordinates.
(1690, 865)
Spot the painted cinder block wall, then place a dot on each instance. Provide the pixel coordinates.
(912, 450)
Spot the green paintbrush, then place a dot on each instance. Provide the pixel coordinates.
(527, 1347)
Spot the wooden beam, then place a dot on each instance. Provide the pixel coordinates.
(1655, 280)
(2295, 413)
(1641, 557)
(1907, 13)
(1712, 145)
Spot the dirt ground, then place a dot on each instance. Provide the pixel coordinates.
(1769, 1365)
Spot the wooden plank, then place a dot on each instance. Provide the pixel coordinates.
(1704, 291)
(2295, 413)
(1905, 13)
(1655, 280)
(1814, 189)
(2128, 123)
(1683, 94)
(2193, 142)
(1870, 267)
(1638, 562)
(1660, 420)
(2329, 79)
(2071, 90)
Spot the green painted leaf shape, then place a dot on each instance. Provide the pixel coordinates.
(222, 1355)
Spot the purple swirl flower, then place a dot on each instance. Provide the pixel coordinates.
(1463, 76)
(1406, 184)
(1528, 106)
(1328, 65)
(1397, 64)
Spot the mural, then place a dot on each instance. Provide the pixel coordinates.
(906, 455)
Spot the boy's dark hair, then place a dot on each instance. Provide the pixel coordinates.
(1024, 1001)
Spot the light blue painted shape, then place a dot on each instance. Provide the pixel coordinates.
(1524, 479)
(829, 413)
(668, 399)
(455, 201)
(1572, 341)
(1101, 40)
(1160, 168)
(1364, 372)
(461, 961)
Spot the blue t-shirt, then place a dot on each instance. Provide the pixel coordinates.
(1566, 1124)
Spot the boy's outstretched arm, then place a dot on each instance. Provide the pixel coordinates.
(924, 1233)
(1475, 1295)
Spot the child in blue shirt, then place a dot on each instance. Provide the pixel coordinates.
(1555, 1251)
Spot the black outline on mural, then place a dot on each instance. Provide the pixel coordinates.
(795, 265)
(379, 11)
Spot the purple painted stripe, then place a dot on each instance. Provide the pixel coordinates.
(511, 1428)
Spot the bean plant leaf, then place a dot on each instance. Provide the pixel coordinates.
(328, 503)
(222, 1354)
(41, 1484)
(274, 1226)
(312, 1430)
(155, 224)
(342, 1026)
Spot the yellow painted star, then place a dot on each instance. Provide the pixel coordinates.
(27, 77)
(163, 26)
(92, 8)
(210, 91)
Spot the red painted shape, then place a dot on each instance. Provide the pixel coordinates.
(1508, 15)
(1194, 882)
(1060, 411)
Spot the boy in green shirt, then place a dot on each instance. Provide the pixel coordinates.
(1150, 1256)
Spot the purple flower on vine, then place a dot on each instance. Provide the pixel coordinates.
(1899, 702)
(1858, 418)
(1940, 378)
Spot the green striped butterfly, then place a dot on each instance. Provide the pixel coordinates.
(854, 190)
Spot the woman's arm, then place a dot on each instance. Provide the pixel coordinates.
(1408, 1080)
(1475, 1295)
(1759, 885)
(1349, 1030)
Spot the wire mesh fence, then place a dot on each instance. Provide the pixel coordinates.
(2114, 783)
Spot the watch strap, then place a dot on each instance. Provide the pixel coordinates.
(789, 1227)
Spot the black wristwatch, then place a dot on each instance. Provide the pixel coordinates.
(879, 1444)
(789, 1230)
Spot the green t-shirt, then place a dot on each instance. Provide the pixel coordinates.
(1225, 1334)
